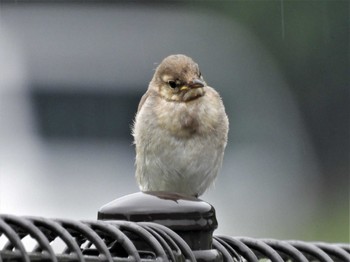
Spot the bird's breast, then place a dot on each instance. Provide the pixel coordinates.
(183, 121)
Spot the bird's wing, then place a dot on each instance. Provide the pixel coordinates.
(144, 98)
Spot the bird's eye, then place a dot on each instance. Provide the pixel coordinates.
(199, 74)
(172, 84)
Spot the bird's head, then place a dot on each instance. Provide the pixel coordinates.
(177, 78)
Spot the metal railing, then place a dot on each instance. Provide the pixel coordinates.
(42, 239)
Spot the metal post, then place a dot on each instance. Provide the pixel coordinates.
(191, 218)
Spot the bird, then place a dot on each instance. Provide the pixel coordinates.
(180, 130)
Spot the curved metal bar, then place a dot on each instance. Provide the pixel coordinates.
(345, 247)
(262, 248)
(117, 235)
(180, 243)
(14, 239)
(241, 248)
(118, 240)
(60, 232)
(89, 234)
(229, 248)
(33, 231)
(284, 248)
(311, 250)
(144, 234)
(334, 251)
(223, 250)
(168, 250)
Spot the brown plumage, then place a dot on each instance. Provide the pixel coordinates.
(180, 130)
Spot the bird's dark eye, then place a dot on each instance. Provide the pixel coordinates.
(199, 74)
(172, 84)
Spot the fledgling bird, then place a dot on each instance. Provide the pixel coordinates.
(180, 130)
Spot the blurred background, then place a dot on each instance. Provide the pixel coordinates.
(71, 76)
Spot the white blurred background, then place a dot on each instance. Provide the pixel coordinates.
(71, 76)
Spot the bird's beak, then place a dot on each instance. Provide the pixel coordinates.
(195, 83)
